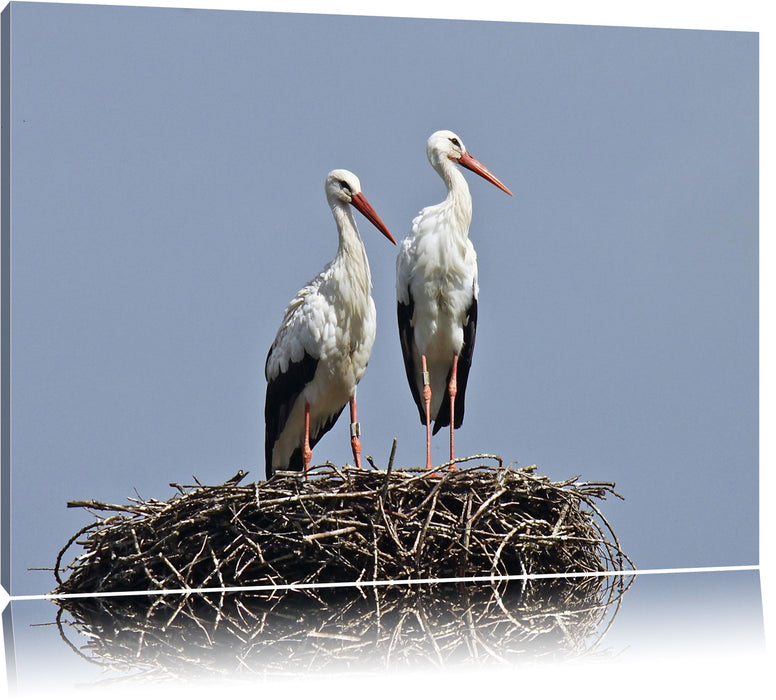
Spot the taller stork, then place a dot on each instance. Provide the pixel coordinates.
(324, 342)
(436, 291)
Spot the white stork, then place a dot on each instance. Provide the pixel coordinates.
(323, 345)
(436, 291)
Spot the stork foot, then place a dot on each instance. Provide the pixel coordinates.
(355, 432)
(427, 405)
(452, 389)
(307, 453)
(355, 443)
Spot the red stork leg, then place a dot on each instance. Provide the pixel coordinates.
(452, 388)
(307, 453)
(355, 432)
(427, 401)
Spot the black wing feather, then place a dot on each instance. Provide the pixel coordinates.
(404, 313)
(464, 364)
(282, 392)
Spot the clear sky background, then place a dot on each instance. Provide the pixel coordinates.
(167, 202)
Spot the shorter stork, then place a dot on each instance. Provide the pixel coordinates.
(324, 342)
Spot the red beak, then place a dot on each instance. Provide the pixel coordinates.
(468, 161)
(360, 203)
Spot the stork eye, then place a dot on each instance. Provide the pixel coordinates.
(345, 186)
(455, 142)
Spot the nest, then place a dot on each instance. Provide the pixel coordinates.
(346, 524)
(363, 629)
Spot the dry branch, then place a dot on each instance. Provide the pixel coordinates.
(346, 524)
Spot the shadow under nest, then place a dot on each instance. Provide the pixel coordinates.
(346, 524)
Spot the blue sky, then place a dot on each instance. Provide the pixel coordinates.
(168, 200)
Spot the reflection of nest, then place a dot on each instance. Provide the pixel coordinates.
(347, 524)
(340, 629)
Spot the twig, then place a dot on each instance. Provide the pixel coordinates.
(391, 524)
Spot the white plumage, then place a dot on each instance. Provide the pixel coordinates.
(436, 292)
(324, 342)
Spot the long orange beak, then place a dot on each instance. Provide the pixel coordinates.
(360, 203)
(468, 161)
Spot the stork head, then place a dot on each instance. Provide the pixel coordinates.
(342, 186)
(445, 144)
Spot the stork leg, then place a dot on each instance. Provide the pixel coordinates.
(427, 402)
(355, 432)
(452, 388)
(307, 453)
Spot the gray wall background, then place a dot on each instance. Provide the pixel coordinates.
(167, 201)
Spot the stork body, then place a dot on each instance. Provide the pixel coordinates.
(437, 289)
(324, 342)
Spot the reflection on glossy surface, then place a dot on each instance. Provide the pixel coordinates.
(699, 631)
(339, 629)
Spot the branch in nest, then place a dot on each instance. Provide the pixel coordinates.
(343, 522)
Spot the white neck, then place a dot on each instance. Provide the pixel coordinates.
(351, 255)
(458, 197)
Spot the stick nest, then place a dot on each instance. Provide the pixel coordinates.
(346, 524)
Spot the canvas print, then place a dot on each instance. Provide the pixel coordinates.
(319, 329)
